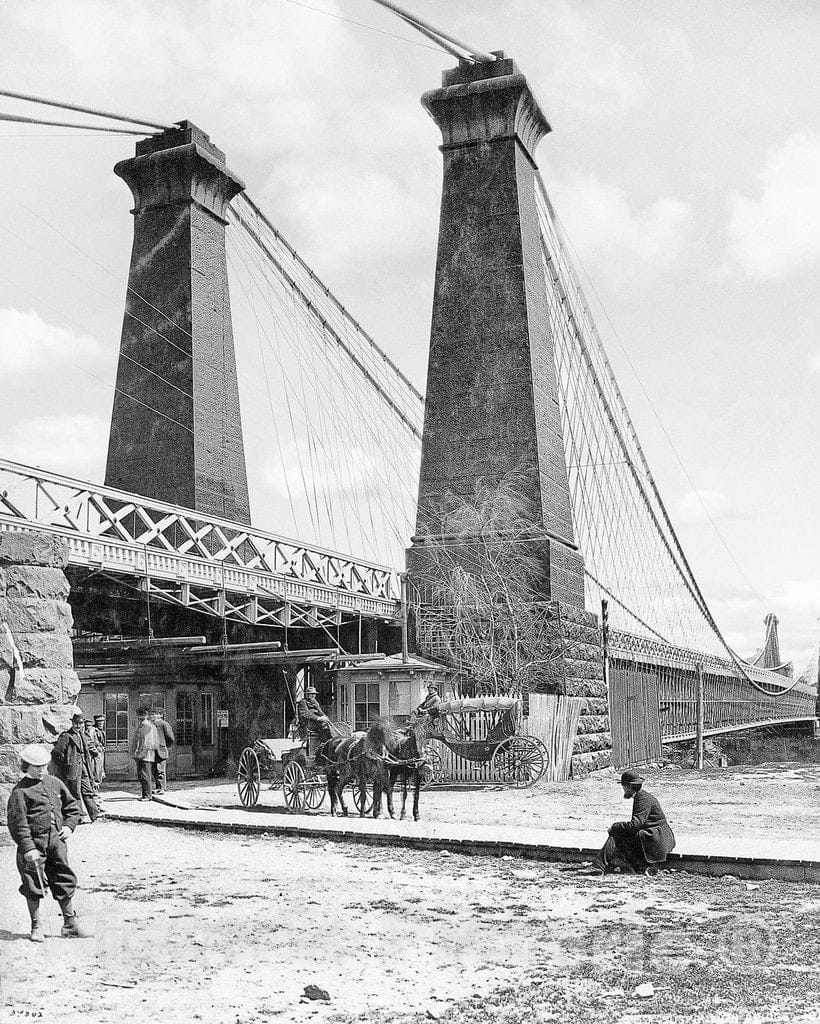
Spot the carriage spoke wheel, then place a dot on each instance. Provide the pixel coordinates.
(315, 790)
(368, 799)
(293, 786)
(432, 771)
(248, 778)
(520, 761)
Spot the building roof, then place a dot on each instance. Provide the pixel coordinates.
(394, 663)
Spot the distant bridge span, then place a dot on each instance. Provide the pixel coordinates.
(194, 560)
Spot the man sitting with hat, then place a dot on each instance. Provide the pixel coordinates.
(41, 815)
(430, 704)
(642, 842)
(311, 717)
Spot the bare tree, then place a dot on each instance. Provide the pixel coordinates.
(479, 592)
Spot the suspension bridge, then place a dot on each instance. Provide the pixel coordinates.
(518, 377)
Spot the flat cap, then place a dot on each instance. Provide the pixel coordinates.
(35, 754)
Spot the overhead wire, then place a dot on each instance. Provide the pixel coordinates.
(61, 104)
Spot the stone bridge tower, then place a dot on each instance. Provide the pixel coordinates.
(492, 404)
(176, 431)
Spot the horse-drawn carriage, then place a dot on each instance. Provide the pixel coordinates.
(485, 731)
(482, 731)
(291, 764)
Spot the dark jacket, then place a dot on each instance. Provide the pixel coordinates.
(34, 805)
(166, 737)
(309, 710)
(649, 824)
(429, 706)
(71, 757)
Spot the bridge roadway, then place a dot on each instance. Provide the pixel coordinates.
(194, 560)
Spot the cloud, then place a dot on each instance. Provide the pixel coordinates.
(31, 346)
(74, 445)
(592, 74)
(701, 506)
(777, 232)
(630, 246)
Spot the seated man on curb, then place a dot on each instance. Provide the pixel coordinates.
(642, 842)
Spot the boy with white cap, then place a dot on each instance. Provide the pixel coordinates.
(42, 814)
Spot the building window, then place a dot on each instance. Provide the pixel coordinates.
(185, 719)
(207, 720)
(366, 705)
(153, 702)
(344, 705)
(116, 720)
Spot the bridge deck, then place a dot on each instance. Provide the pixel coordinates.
(194, 560)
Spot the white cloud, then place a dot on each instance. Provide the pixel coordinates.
(631, 247)
(591, 72)
(29, 345)
(73, 444)
(777, 232)
(701, 506)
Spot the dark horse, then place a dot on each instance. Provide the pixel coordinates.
(358, 759)
(404, 762)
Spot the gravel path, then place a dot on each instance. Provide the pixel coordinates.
(220, 928)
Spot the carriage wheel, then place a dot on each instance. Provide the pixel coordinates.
(368, 799)
(248, 777)
(432, 771)
(293, 786)
(315, 791)
(520, 761)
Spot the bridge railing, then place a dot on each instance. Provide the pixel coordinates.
(734, 697)
(136, 536)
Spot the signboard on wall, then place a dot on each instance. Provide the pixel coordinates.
(222, 718)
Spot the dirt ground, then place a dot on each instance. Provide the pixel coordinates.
(223, 929)
(773, 801)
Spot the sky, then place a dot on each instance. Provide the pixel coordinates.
(684, 164)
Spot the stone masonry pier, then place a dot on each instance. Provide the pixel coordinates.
(38, 684)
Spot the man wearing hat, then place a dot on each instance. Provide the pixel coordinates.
(430, 704)
(311, 717)
(74, 764)
(642, 842)
(41, 815)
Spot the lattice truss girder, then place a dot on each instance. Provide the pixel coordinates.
(123, 534)
(345, 423)
(254, 611)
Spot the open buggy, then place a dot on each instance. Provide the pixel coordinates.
(291, 764)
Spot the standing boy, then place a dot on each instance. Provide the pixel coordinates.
(42, 814)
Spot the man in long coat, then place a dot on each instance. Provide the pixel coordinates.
(165, 735)
(74, 765)
(642, 842)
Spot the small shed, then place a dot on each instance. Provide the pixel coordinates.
(388, 685)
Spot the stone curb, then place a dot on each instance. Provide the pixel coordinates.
(747, 868)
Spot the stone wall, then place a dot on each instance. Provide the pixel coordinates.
(34, 703)
(580, 676)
